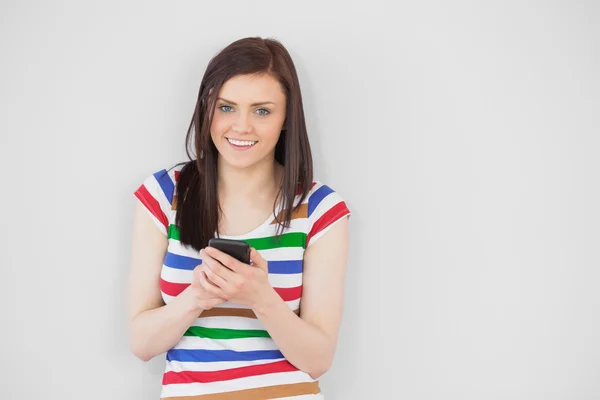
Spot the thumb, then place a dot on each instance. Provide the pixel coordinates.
(258, 260)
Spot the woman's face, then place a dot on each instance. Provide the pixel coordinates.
(249, 115)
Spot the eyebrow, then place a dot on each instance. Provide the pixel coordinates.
(251, 105)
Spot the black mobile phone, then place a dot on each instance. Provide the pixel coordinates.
(235, 248)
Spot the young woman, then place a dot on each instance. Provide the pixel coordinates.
(230, 330)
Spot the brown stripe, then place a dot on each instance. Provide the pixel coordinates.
(232, 312)
(267, 392)
(300, 212)
(174, 202)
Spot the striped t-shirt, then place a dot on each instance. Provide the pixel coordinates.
(227, 353)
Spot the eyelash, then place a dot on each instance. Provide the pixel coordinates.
(267, 112)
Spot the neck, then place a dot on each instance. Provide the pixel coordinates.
(258, 181)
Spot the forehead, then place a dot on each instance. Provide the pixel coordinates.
(252, 88)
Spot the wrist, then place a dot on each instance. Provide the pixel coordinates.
(266, 302)
(186, 302)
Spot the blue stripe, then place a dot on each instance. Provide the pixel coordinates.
(275, 267)
(285, 267)
(184, 355)
(315, 199)
(181, 262)
(166, 184)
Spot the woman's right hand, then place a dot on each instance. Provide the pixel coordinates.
(201, 298)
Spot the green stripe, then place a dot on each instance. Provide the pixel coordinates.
(218, 333)
(294, 239)
(173, 232)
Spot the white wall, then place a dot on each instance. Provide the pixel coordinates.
(464, 138)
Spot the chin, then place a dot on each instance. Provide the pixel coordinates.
(245, 161)
(239, 162)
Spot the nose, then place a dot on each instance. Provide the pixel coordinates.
(242, 124)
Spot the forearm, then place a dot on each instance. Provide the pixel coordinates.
(305, 346)
(155, 331)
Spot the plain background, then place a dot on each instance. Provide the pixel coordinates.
(463, 135)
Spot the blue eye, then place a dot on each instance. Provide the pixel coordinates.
(226, 108)
(263, 111)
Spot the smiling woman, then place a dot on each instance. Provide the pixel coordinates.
(244, 125)
(231, 330)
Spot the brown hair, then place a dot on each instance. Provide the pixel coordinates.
(198, 209)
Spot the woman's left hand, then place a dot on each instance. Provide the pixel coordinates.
(233, 280)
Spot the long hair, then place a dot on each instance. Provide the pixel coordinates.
(198, 209)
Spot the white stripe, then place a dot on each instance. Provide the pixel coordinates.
(324, 231)
(325, 205)
(243, 344)
(285, 280)
(175, 275)
(177, 366)
(176, 247)
(191, 389)
(229, 304)
(156, 191)
(283, 254)
(293, 304)
(279, 254)
(229, 323)
(167, 298)
(296, 225)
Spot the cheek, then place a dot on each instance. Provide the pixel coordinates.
(219, 125)
(270, 132)
(272, 135)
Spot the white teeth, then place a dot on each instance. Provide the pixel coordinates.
(240, 142)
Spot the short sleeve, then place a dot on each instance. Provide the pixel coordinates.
(156, 195)
(325, 208)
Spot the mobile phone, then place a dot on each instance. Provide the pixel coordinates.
(235, 248)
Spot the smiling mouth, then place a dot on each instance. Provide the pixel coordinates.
(242, 143)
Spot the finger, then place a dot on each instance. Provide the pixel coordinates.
(210, 287)
(196, 276)
(258, 260)
(225, 259)
(216, 280)
(216, 267)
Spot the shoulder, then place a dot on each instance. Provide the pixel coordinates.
(166, 176)
(323, 197)
(162, 182)
(325, 207)
(157, 194)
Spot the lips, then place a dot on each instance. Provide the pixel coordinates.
(241, 143)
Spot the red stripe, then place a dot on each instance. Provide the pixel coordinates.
(173, 289)
(289, 294)
(171, 377)
(176, 176)
(152, 205)
(332, 215)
